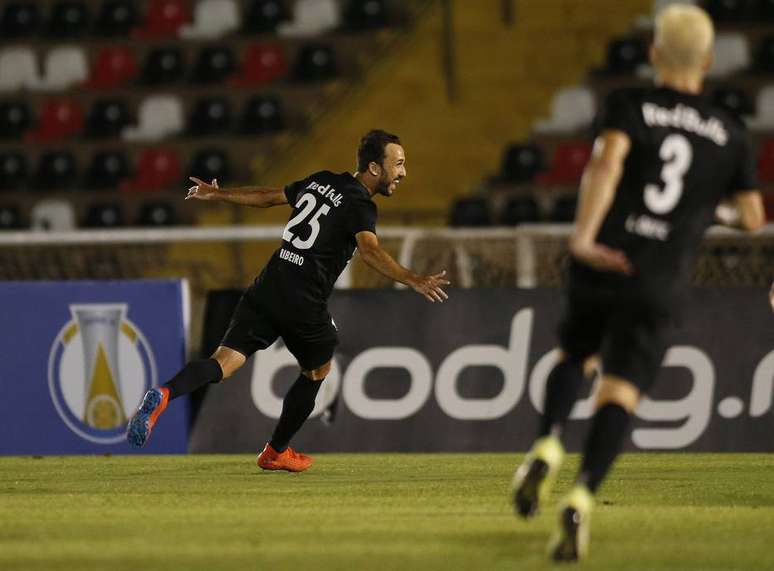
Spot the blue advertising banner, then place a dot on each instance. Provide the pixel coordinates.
(77, 358)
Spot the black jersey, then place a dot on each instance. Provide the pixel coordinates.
(686, 155)
(329, 209)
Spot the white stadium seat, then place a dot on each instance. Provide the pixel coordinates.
(311, 17)
(64, 67)
(764, 116)
(212, 19)
(53, 215)
(18, 69)
(732, 54)
(571, 109)
(159, 116)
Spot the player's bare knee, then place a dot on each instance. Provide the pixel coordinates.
(317, 374)
(229, 360)
(616, 390)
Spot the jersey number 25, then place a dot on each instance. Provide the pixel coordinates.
(677, 154)
(307, 203)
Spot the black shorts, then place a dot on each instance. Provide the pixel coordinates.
(258, 321)
(626, 328)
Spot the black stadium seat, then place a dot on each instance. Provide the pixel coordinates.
(764, 56)
(262, 114)
(104, 215)
(263, 16)
(734, 100)
(316, 62)
(20, 20)
(211, 163)
(15, 119)
(68, 19)
(724, 11)
(107, 117)
(366, 14)
(564, 209)
(11, 218)
(520, 210)
(521, 163)
(211, 116)
(13, 170)
(57, 170)
(214, 65)
(626, 55)
(473, 211)
(157, 214)
(162, 65)
(107, 170)
(116, 18)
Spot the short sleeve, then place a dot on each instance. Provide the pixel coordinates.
(745, 177)
(618, 112)
(362, 216)
(292, 190)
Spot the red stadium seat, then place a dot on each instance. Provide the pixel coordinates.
(567, 167)
(157, 169)
(59, 119)
(768, 204)
(163, 19)
(115, 67)
(766, 161)
(263, 64)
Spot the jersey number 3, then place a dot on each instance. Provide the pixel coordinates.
(307, 203)
(677, 155)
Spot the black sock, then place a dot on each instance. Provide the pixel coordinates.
(194, 375)
(562, 388)
(296, 408)
(608, 429)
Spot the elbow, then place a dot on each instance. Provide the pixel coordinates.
(753, 224)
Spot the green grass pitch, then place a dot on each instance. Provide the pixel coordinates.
(374, 511)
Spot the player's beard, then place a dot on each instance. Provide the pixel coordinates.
(383, 187)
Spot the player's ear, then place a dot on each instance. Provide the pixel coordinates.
(375, 168)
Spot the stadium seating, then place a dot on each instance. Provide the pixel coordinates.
(626, 55)
(59, 118)
(263, 63)
(107, 170)
(311, 18)
(263, 16)
(725, 11)
(157, 169)
(571, 109)
(107, 118)
(69, 19)
(56, 170)
(156, 214)
(211, 116)
(162, 66)
(163, 19)
(104, 215)
(11, 218)
(115, 67)
(521, 163)
(563, 211)
(520, 210)
(18, 69)
(210, 164)
(365, 14)
(19, 20)
(316, 62)
(567, 165)
(13, 170)
(766, 161)
(65, 67)
(735, 100)
(213, 19)
(764, 55)
(470, 211)
(214, 65)
(159, 117)
(15, 119)
(732, 55)
(53, 215)
(116, 18)
(262, 114)
(764, 110)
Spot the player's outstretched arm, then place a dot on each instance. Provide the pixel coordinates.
(376, 257)
(257, 196)
(744, 211)
(598, 186)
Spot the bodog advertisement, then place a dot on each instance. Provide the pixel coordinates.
(77, 358)
(469, 375)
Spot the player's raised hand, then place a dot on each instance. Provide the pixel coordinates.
(203, 191)
(430, 286)
(603, 259)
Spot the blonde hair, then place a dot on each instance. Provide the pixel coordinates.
(683, 37)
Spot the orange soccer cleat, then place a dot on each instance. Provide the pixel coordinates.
(289, 460)
(141, 425)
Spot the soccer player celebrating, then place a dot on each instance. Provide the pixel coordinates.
(663, 159)
(332, 215)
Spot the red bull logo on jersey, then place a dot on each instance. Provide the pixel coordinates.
(100, 365)
(326, 191)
